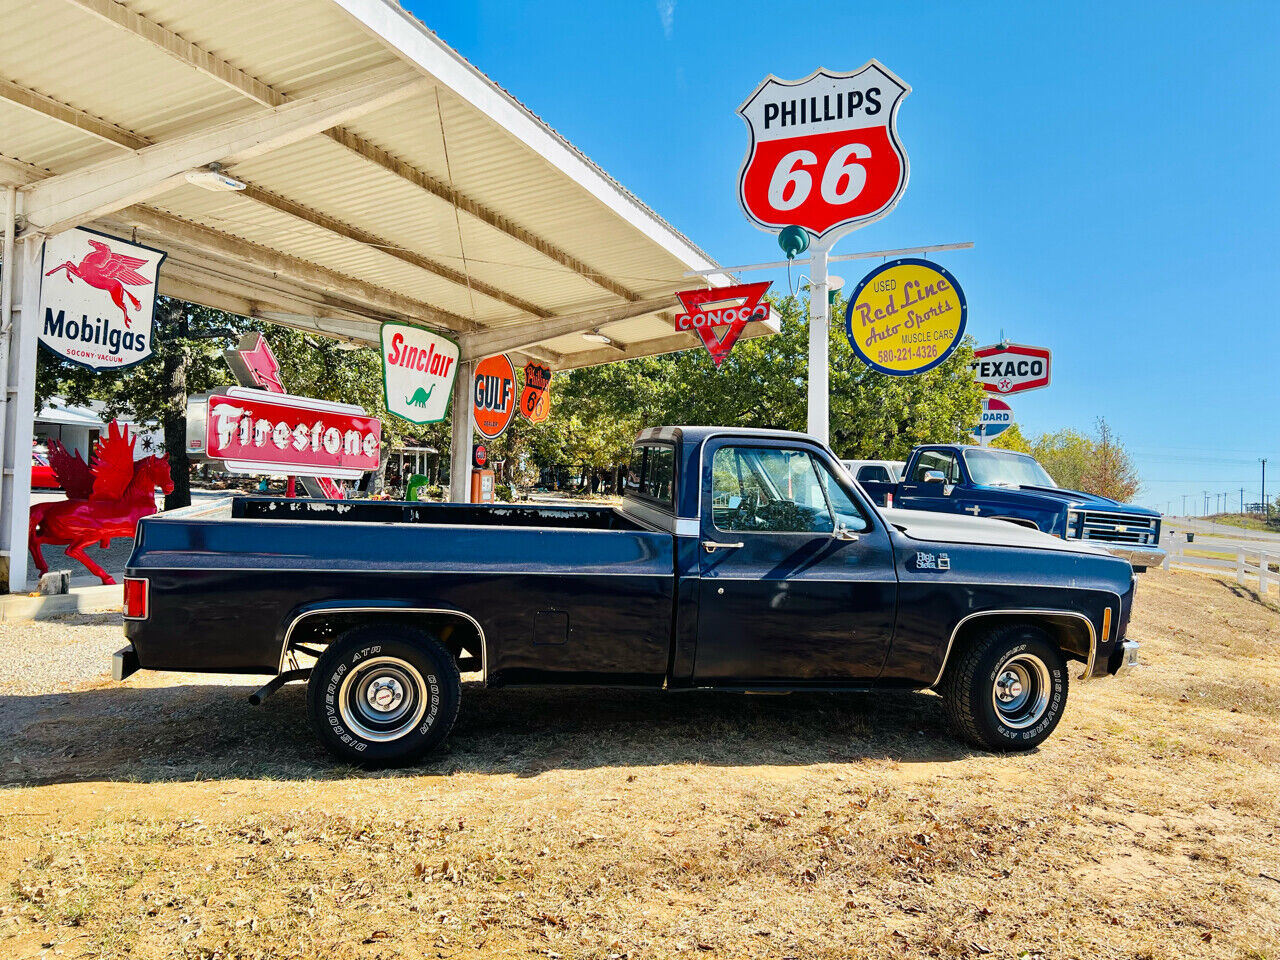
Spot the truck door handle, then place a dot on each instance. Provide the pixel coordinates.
(711, 546)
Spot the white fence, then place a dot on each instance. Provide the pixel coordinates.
(1260, 565)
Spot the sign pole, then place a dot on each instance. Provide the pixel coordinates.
(819, 418)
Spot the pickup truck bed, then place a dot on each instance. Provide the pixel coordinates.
(743, 560)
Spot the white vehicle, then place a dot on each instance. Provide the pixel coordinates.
(877, 471)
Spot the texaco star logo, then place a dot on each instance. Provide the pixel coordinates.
(1006, 385)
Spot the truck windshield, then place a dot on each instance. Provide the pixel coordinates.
(992, 469)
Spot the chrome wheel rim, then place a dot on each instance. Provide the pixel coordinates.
(1020, 693)
(382, 699)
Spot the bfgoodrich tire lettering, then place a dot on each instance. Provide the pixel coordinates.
(1008, 689)
(383, 695)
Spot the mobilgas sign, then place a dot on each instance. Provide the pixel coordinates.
(906, 316)
(255, 432)
(1011, 367)
(824, 152)
(98, 299)
(418, 368)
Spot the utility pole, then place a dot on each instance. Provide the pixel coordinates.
(1206, 503)
(1242, 499)
(1266, 507)
(1184, 504)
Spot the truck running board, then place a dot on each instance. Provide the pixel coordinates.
(275, 683)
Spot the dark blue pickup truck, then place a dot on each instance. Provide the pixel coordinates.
(738, 560)
(1004, 485)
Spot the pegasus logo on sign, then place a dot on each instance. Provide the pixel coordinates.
(824, 151)
(110, 272)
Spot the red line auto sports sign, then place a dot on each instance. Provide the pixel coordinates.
(824, 152)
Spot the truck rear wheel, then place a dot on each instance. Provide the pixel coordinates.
(383, 695)
(1008, 689)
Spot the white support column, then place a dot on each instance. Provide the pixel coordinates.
(463, 420)
(19, 411)
(819, 330)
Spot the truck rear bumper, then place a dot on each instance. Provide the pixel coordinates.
(124, 663)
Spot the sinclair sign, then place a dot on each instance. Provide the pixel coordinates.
(255, 432)
(418, 369)
(824, 152)
(1011, 367)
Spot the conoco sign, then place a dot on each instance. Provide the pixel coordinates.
(255, 432)
(824, 152)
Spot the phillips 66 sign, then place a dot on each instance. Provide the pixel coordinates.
(824, 151)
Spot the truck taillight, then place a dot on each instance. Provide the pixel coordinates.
(137, 593)
(888, 499)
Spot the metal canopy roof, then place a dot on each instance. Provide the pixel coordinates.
(387, 177)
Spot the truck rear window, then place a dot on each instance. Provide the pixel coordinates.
(652, 473)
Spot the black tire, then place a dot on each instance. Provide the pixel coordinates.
(383, 695)
(1008, 689)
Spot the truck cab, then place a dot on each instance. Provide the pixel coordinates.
(1014, 487)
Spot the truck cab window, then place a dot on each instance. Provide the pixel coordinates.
(768, 490)
(652, 473)
(936, 460)
(875, 473)
(845, 509)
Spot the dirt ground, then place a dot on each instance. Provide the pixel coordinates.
(167, 817)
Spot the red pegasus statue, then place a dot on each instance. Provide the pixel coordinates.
(110, 272)
(103, 502)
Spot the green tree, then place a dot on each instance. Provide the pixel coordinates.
(1111, 472)
(1066, 455)
(1012, 439)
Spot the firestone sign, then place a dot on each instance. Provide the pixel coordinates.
(418, 369)
(255, 432)
(98, 298)
(824, 152)
(1011, 367)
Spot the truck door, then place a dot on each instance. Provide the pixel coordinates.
(922, 490)
(797, 581)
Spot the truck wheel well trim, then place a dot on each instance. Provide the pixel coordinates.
(445, 611)
(1093, 633)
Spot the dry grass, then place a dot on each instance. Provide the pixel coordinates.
(152, 820)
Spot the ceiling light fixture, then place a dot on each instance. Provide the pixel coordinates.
(212, 178)
(596, 337)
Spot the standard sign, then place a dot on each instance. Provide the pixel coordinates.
(418, 368)
(1011, 367)
(906, 317)
(98, 297)
(996, 418)
(255, 432)
(824, 151)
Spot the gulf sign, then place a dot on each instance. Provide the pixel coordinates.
(418, 369)
(255, 432)
(906, 317)
(1011, 367)
(824, 152)
(494, 396)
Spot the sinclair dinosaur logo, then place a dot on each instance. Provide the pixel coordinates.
(97, 299)
(418, 368)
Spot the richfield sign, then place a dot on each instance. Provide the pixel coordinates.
(98, 298)
(418, 369)
(824, 152)
(254, 432)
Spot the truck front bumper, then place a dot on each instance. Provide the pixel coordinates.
(1138, 556)
(1125, 655)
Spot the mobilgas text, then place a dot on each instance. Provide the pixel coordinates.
(98, 332)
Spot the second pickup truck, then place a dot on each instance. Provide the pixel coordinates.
(738, 560)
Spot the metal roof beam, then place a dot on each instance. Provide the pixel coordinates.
(189, 54)
(63, 201)
(56, 110)
(170, 230)
(391, 249)
(489, 342)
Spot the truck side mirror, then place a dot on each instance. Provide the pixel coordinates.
(935, 476)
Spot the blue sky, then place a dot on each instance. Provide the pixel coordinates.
(1116, 165)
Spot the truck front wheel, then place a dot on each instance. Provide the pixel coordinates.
(383, 695)
(1008, 689)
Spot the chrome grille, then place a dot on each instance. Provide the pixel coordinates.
(1115, 528)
